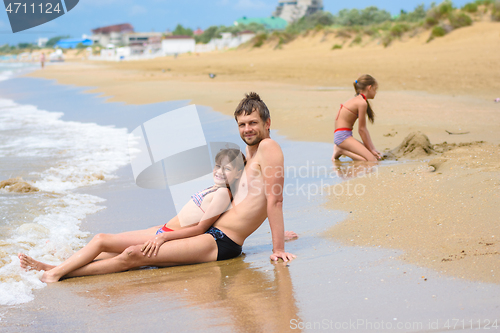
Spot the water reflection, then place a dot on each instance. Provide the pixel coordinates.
(347, 170)
(243, 298)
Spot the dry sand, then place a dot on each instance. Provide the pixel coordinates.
(446, 219)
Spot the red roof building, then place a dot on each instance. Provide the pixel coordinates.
(178, 37)
(198, 32)
(122, 28)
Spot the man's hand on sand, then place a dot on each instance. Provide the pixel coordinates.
(285, 256)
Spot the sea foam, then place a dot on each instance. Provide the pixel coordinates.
(79, 154)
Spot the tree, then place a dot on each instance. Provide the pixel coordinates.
(181, 31)
(207, 35)
(24, 45)
(416, 15)
(311, 21)
(53, 41)
(367, 16)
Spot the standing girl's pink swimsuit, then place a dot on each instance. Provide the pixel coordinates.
(341, 134)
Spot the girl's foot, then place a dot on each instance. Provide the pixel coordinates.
(29, 263)
(47, 277)
(337, 152)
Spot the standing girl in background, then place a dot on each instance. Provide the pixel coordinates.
(357, 107)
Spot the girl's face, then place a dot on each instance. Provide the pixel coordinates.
(372, 91)
(225, 173)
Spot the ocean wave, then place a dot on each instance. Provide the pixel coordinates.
(78, 155)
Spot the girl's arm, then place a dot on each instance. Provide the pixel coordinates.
(363, 131)
(219, 204)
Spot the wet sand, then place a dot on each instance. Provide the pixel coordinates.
(436, 88)
(443, 213)
(367, 281)
(328, 283)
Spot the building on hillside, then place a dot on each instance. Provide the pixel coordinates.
(177, 44)
(270, 23)
(291, 11)
(41, 42)
(245, 36)
(73, 43)
(137, 43)
(226, 41)
(142, 38)
(112, 34)
(122, 28)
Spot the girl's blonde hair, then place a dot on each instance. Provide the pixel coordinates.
(362, 83)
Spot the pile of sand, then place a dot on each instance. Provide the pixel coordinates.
(415, 146)
(18, 185)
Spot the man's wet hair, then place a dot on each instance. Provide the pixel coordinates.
(251, 103)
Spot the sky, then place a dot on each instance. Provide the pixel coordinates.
(160, 15)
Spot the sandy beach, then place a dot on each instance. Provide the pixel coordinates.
(444, 86)
(415, 248)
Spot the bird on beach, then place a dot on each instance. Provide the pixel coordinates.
(211, 75)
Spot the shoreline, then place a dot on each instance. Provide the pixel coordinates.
(249, 293)
(437, 211)
(306, 112)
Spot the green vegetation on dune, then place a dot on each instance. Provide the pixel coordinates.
(216, 31)
(355, 25)
(495, 12)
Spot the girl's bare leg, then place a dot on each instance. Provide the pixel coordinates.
(100, 243)
(356, 150)
(106, 255)
(29, 263)
(337, 152)
(198, 249)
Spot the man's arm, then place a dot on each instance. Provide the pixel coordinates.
(271, 163)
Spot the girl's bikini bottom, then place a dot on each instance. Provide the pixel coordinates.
(341, 134)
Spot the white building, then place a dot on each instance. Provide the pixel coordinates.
(42, 42)
(113, 34)
(227, 41)
(142, 38)
(177, 44)
(291, 11)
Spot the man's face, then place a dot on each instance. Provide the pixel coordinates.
(252, 129)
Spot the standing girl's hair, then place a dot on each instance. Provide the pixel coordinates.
(360, 84)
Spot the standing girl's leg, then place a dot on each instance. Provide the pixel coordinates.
(337, 152)
(100, 243)
(198, 249)
(355, 149)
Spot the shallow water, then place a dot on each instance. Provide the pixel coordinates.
(328, 286)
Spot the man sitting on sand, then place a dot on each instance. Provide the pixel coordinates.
(259, 196)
